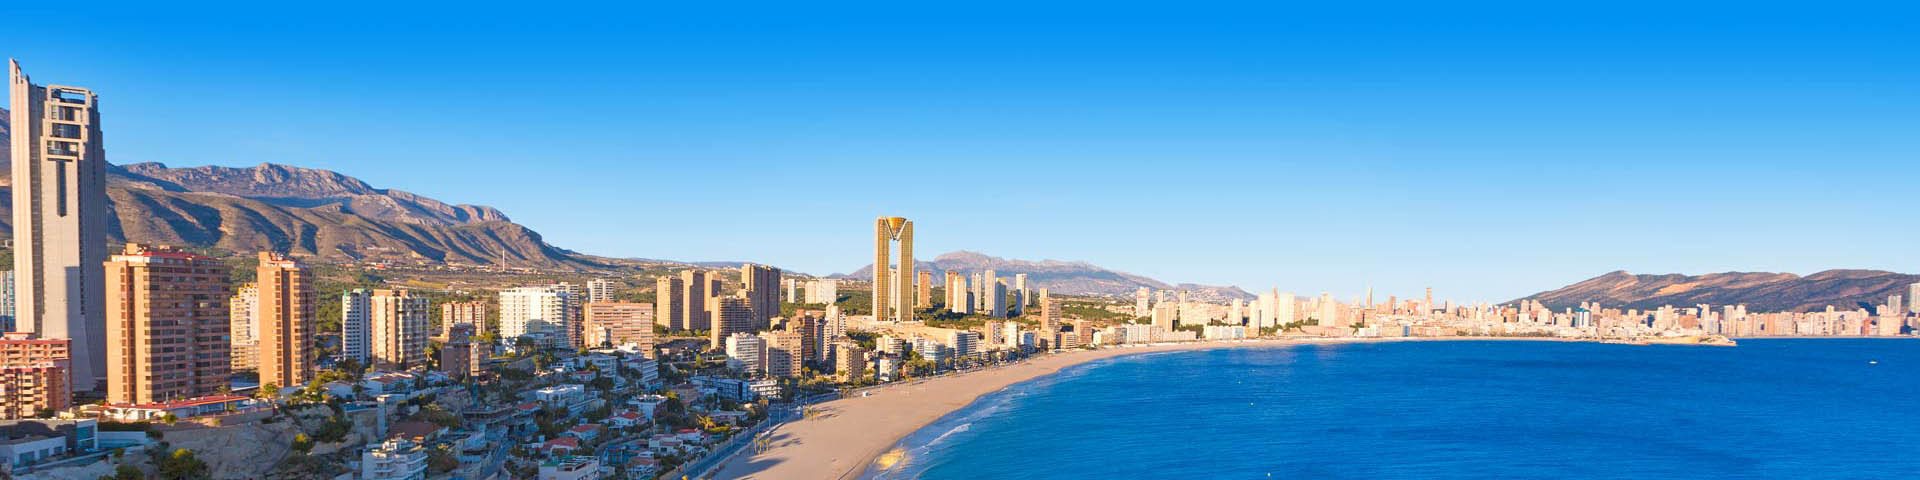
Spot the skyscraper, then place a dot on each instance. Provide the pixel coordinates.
(286, 320)
(1020, 294)
(923, 291)
(6, 300)
(669, 304)
(454, 314)
(60, 220)
(398, 329)
(762, 285)
(957, 299)
(1140, 308)
(695, 293)
(356, 311)
(535, 310)
(887, 279)
(167, 325)
(616, 323)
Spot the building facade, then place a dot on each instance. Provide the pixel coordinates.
(60, 220)
(397, 330)
(33, 375)
(616, 323)
(167, 325)
(286, 311)
(891, 284)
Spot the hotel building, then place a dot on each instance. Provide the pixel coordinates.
(60, 220)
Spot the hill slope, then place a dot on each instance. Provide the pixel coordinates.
(312, 213)
(1765, 292)
(1071, 278)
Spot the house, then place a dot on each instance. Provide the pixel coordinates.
(640, 468)
(665, 444)
(584, 432)
(418, 432)
(627, 419)
(28, 442)
(560, 446)
(730, 417)
(692, 436)
(189, 408)
(570, 468)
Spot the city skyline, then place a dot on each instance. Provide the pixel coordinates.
(1293, 158)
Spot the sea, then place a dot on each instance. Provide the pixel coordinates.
(1768, 408)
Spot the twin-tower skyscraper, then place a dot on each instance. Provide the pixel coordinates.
(893, 286)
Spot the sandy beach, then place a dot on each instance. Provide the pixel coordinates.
(849, 434)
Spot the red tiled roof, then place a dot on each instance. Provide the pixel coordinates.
(568, 442)
(584, 428)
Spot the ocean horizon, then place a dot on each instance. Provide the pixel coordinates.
(1769, 408)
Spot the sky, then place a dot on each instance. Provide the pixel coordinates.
(1488, 150)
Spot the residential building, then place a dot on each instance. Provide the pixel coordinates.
(958, 301)
(244, 327)
(745, 352)
(762, 289)
(536, 310)
(461, 357)
(923, 290)
(399, 330)
(167, 324)
(33, 375)
(60, 220)
(569, 467)
(669, 302)
(286, 320)
(356, 312)
(731, 315)
(394, 459)
(825, 291)
(697, 291)
(889, 283)
(850, 361)
(25, 443)
(6, 301)
(600, 290)
(782, 353)
(613, 323)
(456, 313)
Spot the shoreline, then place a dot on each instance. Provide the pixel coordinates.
(850, 435)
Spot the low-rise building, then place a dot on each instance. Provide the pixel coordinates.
(570, 468)
(394, 459)
(28, 442)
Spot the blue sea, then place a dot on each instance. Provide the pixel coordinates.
(1787, 408)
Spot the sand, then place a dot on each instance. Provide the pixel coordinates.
(845, 436)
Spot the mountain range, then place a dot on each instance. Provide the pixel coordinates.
(1759, 291)
(311, 213)
(1070, 278)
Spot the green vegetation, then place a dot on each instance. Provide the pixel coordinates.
(1093, 311)
(125, 472)
(180, 465)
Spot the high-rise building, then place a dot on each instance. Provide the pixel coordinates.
(996, 292)
(398, 333)
(731, 315)
(695, 295)
(923, 290)
(33, 375)
(167, 324)
(356, 313)
(1140, 308)
(60, 220)
(889, 281)
(461, 357)
(782, 353)
(1049, 314)
(600, 290)
(792, 286)
(745, 351)
(244, 327)
(536, 310)
(286, 320)
(669, 302)
(1020, 295)
(958, 301)
(983, 291)
(762, 285)
(617, 323)
(825, 291)
(454, 314)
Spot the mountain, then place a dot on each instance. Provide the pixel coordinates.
(1766, 292)
(313, 213)
(1071, 278)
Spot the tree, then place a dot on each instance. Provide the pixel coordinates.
(301, 443)
(180, 465)
(169, 419)
(125, 472)
(270, 390)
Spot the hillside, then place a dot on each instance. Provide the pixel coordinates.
(317, 214)
(1071, 278)
(1765, 292)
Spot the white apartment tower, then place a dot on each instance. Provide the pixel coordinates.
(356, 310)
(60, 220)
(528, 310)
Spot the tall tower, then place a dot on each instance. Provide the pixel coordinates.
(286, 321)
(60, 220)
(886, 279)
(168, 326)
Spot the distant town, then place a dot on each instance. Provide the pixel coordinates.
(152, 361)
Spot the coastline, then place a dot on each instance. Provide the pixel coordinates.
(849, 435)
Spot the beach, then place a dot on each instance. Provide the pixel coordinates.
(847, 435)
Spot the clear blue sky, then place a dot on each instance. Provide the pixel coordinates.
(1487, 150)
